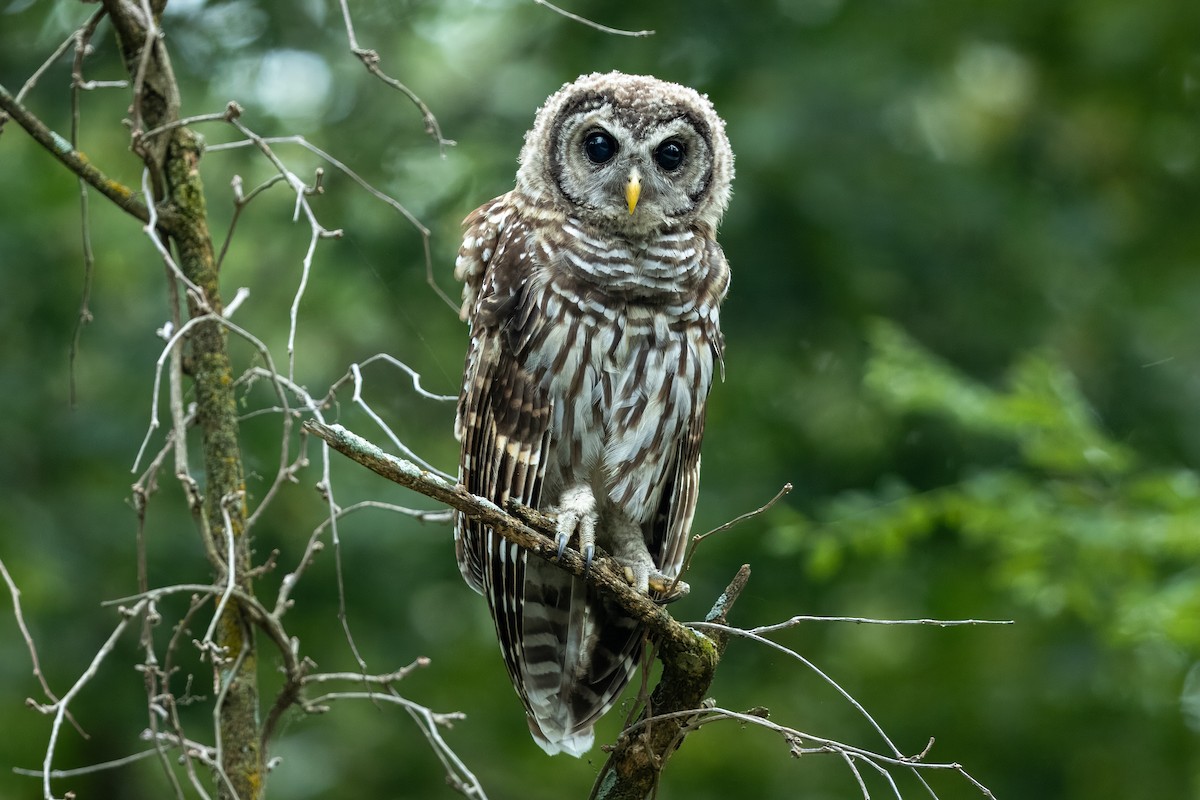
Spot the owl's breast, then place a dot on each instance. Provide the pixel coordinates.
(623, 378)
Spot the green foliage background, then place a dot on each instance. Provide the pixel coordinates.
(963, 323)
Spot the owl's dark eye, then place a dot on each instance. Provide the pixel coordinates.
(669, 155)
(599, 147)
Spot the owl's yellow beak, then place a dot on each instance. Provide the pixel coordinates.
(633, 189)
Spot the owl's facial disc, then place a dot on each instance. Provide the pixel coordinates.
(629, 169)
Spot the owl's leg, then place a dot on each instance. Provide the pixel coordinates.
(577, 516)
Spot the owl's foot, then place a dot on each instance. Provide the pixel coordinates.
(629, 549)
(668, 589)
(577, 518)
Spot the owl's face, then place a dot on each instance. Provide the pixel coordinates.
(629, 153)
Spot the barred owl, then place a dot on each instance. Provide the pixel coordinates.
(592, 291)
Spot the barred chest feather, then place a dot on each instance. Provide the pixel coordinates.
(624, 342)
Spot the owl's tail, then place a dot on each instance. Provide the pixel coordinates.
(579, 653)
(556, 741)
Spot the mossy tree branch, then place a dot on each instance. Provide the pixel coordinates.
(172, 157)
(72, 159)
(689, 657)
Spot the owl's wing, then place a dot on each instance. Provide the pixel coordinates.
(503, 418)
(503, 412)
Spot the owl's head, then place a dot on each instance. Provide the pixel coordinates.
(629, 153)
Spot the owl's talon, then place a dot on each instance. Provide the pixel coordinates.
(589, 552)
(577, 520)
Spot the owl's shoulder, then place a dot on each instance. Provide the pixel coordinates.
(492, 252)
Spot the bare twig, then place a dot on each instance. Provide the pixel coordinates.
(15, 594)
(399, 444)
(695, 543)
(240, 201)
(195, 293)
(937, 623)
(352, 377)
(194, 322)
(765, 507)
(231, 580)
(59, 707)
(103, 766)
(380, 680)
(429, 722)
(849, 698)
(370, 60)
(377, 194)
(72, 40)
(82, 39)
(590, 23)
(802, 743)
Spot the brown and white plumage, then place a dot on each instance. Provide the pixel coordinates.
(593, 291)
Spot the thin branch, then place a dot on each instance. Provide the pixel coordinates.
(232, 110)
(58, 51)
(15, 594)
(938, 623)
(225, 678)
(590, 23)
(399, 444)
(59, 707)
(380, 680)
(765, 507)
(318, 231)
(194, 292)
(82, 39)
(370, 59)
(376, 193)
(230, 576)
(283, 600)
(352, 377)
(429, 723)
(191, 750)
(183, 329)
(240, 202)
(255, 612)
(697, 539)
(103, 766)
(139, 78)
(837, 687)
(796, 739)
